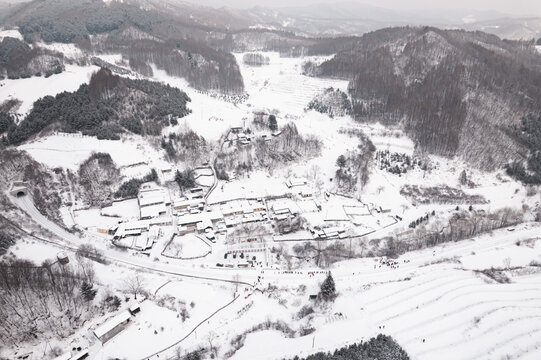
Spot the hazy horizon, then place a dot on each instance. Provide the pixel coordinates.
(516, 8)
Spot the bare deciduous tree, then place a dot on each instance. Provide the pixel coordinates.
(134, 284)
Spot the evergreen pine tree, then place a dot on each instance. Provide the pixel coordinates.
(88, 292)
(273, 124)
(328, 289)
(341, 161)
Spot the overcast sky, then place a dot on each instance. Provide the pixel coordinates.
(515, 7)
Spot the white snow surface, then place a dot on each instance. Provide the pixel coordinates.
(10, 33)
(70, 150)
(31, 89)
(436, 294)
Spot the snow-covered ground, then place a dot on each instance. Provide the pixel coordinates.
(70, 51)
(10, 33)
(281, 85)
(71, 150)
(437, 297)
(438, 294)
(31, 89)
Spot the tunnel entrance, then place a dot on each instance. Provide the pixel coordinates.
(19, 189)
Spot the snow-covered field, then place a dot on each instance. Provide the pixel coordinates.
(71, 150)
(437, 297)
(31, 89)
(281, 85)
(10, 33)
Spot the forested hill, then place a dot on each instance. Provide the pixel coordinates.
(19, 60)
(165, 37)
(106, 107)
(455, 92)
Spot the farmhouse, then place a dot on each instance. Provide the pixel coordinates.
(152, 201)
(153, 211)
(112, 327)
(200, 222)
(131, 228)
(184, 204)
(151, 197)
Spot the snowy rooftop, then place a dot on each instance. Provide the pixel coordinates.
(196, 218)
(151, 197)
(111, 324)
(152, 211)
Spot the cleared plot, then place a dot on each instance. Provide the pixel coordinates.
(69, 151)
(187, 247)
(281, 82)
(127, 209)
(92, 218)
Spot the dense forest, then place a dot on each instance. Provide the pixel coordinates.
(529, 134)
(97, 176)
(378, 348)
(333, 102)
(19, 60)
(32, 293)
(454, 92)
(106, 107)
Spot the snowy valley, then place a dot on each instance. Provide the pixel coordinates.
(301, 214)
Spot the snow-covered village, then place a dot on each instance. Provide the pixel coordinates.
(194, 181)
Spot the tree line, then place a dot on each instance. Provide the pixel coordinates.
(377, 348)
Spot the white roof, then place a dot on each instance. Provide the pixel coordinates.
(153, 210)
(151, 197)
(111, 324)
(187, 202)
(205, 224)
(195, 218)
(143, 242)
(137, 224)
(282, 217)
(135, 307)
(161, 220)
(132, 227)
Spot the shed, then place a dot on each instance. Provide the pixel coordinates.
(135, 308)
(62, 258)
(112, 327)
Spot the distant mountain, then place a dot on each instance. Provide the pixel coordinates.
(179, 39)
(455, 92)
(510, 28)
